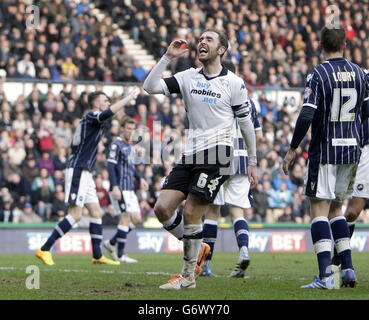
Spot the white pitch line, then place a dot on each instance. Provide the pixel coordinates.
(154, 273)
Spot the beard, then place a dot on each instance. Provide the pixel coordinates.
(211, 56)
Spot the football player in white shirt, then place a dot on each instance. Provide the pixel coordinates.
(213, 98)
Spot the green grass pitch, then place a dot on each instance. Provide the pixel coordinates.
(270, 276)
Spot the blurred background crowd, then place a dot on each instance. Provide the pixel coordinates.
(273, 45)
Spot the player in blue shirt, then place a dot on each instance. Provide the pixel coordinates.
(80, 188)
(237, 193)
(122, 174)
(333, 105)
(361, 187)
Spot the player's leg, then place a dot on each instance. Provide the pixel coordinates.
(121, 237)
(353, 210)
(96, 232)
(239, 197)
(129, 218)
(321, 237)
(341, 237)
(166, 211)
(192, 241)
(73, 192)
(340, 230)
(210, 231)
(95, 228)
(241, 230)
(320, 184)
(73, 216)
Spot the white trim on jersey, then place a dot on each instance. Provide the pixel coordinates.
(310, 105)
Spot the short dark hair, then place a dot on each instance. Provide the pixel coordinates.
(127, 120)
(93, 95)
(223, 39)
(333, 39)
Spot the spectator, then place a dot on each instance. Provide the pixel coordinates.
(59, 207)
(28, 215)
(279, 200)
(60, 159)
(6, 206)
(30, 169)
(42, 199)
(26, 67)
(20, 189)
(46, 162)
(37, 182)
(17, 153)
(138, 71)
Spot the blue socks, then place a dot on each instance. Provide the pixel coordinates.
(96, 231)
(341, 235)
(61, 228)
(209, 232)
(321, 236)
(241, 230)
(121, 238)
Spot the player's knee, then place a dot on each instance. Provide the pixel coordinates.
(76, 213)
(97, 214)
(161, 211)
(351, 215)
(136, 219)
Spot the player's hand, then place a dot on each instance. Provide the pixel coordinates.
(176, 49)
(253, 176)
(133, 94)
(117, 195)
(144, 184)
(288, 159)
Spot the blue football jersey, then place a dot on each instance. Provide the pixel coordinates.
(121, 154)
(336, 89)
(86, 139)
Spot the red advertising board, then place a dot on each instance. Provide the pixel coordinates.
(172, 244)
(287, 242)
(75, 242)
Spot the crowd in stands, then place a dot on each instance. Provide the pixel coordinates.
(273, 45)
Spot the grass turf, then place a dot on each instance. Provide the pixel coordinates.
(270, 276)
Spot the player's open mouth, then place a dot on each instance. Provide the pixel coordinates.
(202, 50)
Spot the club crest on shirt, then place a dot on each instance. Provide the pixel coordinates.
(307, 92)
(224, 82)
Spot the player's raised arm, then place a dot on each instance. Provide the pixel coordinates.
(152, 83)
(116, 107)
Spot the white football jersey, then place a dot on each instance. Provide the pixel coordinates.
(211, 104)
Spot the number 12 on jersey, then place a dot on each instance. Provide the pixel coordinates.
(345, 114)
